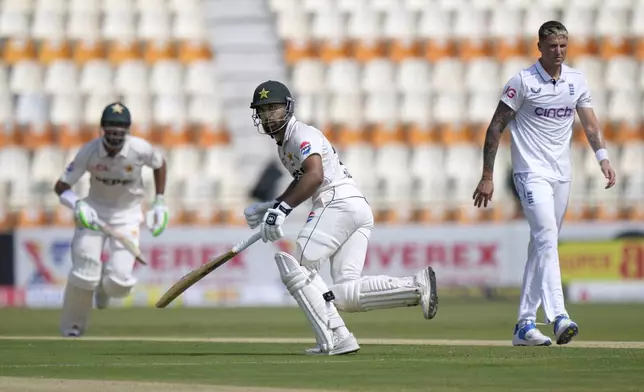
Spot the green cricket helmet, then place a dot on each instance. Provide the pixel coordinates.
(115, 123)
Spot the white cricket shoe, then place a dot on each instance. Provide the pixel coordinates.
(565, 329)
(426, 280)
(73, 332)
(528, 335)
(344, 345)
(101, 298)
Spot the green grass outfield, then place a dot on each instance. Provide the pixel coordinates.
(466, 348)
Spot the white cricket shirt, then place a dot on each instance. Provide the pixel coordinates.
(300, 142)
(545, 113)
(116, 186)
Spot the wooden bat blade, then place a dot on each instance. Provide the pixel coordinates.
(191, 278)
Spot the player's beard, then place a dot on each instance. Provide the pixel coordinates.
(114, 139)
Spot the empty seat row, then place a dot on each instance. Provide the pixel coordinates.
(95, 6)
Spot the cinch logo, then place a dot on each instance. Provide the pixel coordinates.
(553, 112)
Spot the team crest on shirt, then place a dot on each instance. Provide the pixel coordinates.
(571, 88)
(129, 168)
(305, 148)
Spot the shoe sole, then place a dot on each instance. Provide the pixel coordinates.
(571, 331)
(433, 294)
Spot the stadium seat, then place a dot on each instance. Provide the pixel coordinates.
(26, 77)
(400, 31)
(413, 76)
(13, 23)
(343, 76)
(48, 25)
(7, 124)
(184, 6)
(118, 25)
(154, 25)
(621, 72)
(505, 32)
(66, 117)
(449, 115)
(200, 77)
(206, 119)
(416, 118)
(482, 75)
(630, 164)
(169, 114)
(46, 166)
(308, 76)
(345, 114)
(96, 77)
(579, 22)
(471, 32)
(83, 25)
(140, 106)
(132, 77)
(394, 183)
(32, 117)
(166, 77)
(359, 159)
(61, 77)
(380, 116)
(462, 171)
(378, 76)
(82, 6)
(434, 30)
(611, 26)
(429, 186)
(594, 70)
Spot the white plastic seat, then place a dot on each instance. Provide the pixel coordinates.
(511, 67)
(360, 160)
(14, 24)
(83, 25)
(419, 5)
(392, 167)
(46, 164)
(141, 109)
(415, 108)
(413, 76)
(470, 23)
(593, 69)
(218, 181)
(378, 76)
(184, 6)
(481, 106)
(399, 24)
(170, 109)
(631, 171)
(166, 77)
(118, 26)
(345, 109)
(308, 76)
(318, 6)
(448, 108)
(625, 106)
(124, 6)
(462, 168)
(533, 19)
(611, 22)
(188, 26)
(596, 182)
(578, 22)
(380, 109)
(51, 6)
(6, 109)
(96, 77)
(448, 72)
(352, 6)
(482, 75)
(143, 6)
(82, 6)
(434, 23)
(95, 104)
(15, 163)
(48, 25)
(154, 25)
(4, 79)
(636, 25)
(66, 109)
(621, 73)
(385, 6)
(600, 103)
(363, 25)
(293, 25)
(132, 77)
(24, 6)
(488, 5)
(429, 188)
(343, 76)
(327, 25)
(32, 109)
(26, 77)
(182, 162)
(505, 22)
(61, 77)
(204, 109)
(201, 77)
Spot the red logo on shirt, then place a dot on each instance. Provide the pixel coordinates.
(510, 92)
(305, 148)
(101, 167)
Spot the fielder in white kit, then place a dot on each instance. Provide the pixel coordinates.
(114, 162)
(539, 105)
(338, 229)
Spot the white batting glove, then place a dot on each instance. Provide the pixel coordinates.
(157, 218)
(255, 213)
(85, 215)
(274, 218)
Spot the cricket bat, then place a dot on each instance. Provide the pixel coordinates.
(199, 273)
(129, 245)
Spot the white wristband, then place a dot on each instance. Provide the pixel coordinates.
(601, 154)
(68, 199)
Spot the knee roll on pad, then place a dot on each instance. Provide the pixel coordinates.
(117, 288)
(85, 273)
(309, 298)
(375, 292)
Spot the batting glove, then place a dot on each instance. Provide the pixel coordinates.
(157, 218)
(274, 218)
(255, 213)
(85, 215)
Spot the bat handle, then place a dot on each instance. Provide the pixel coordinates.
(247, 242)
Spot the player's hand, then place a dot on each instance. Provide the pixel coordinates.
(609, 173)
(254, 213)
(483, 193)
(274, 218)
(85, 215)
(157, 218)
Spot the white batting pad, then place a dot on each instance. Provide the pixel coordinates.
(77, 304)
(308, 297)
(376, 292)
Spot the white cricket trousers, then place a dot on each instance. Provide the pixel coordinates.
(544, 201)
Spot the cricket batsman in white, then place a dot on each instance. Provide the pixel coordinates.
(539, 105)
(114, 162)
(338, 228)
